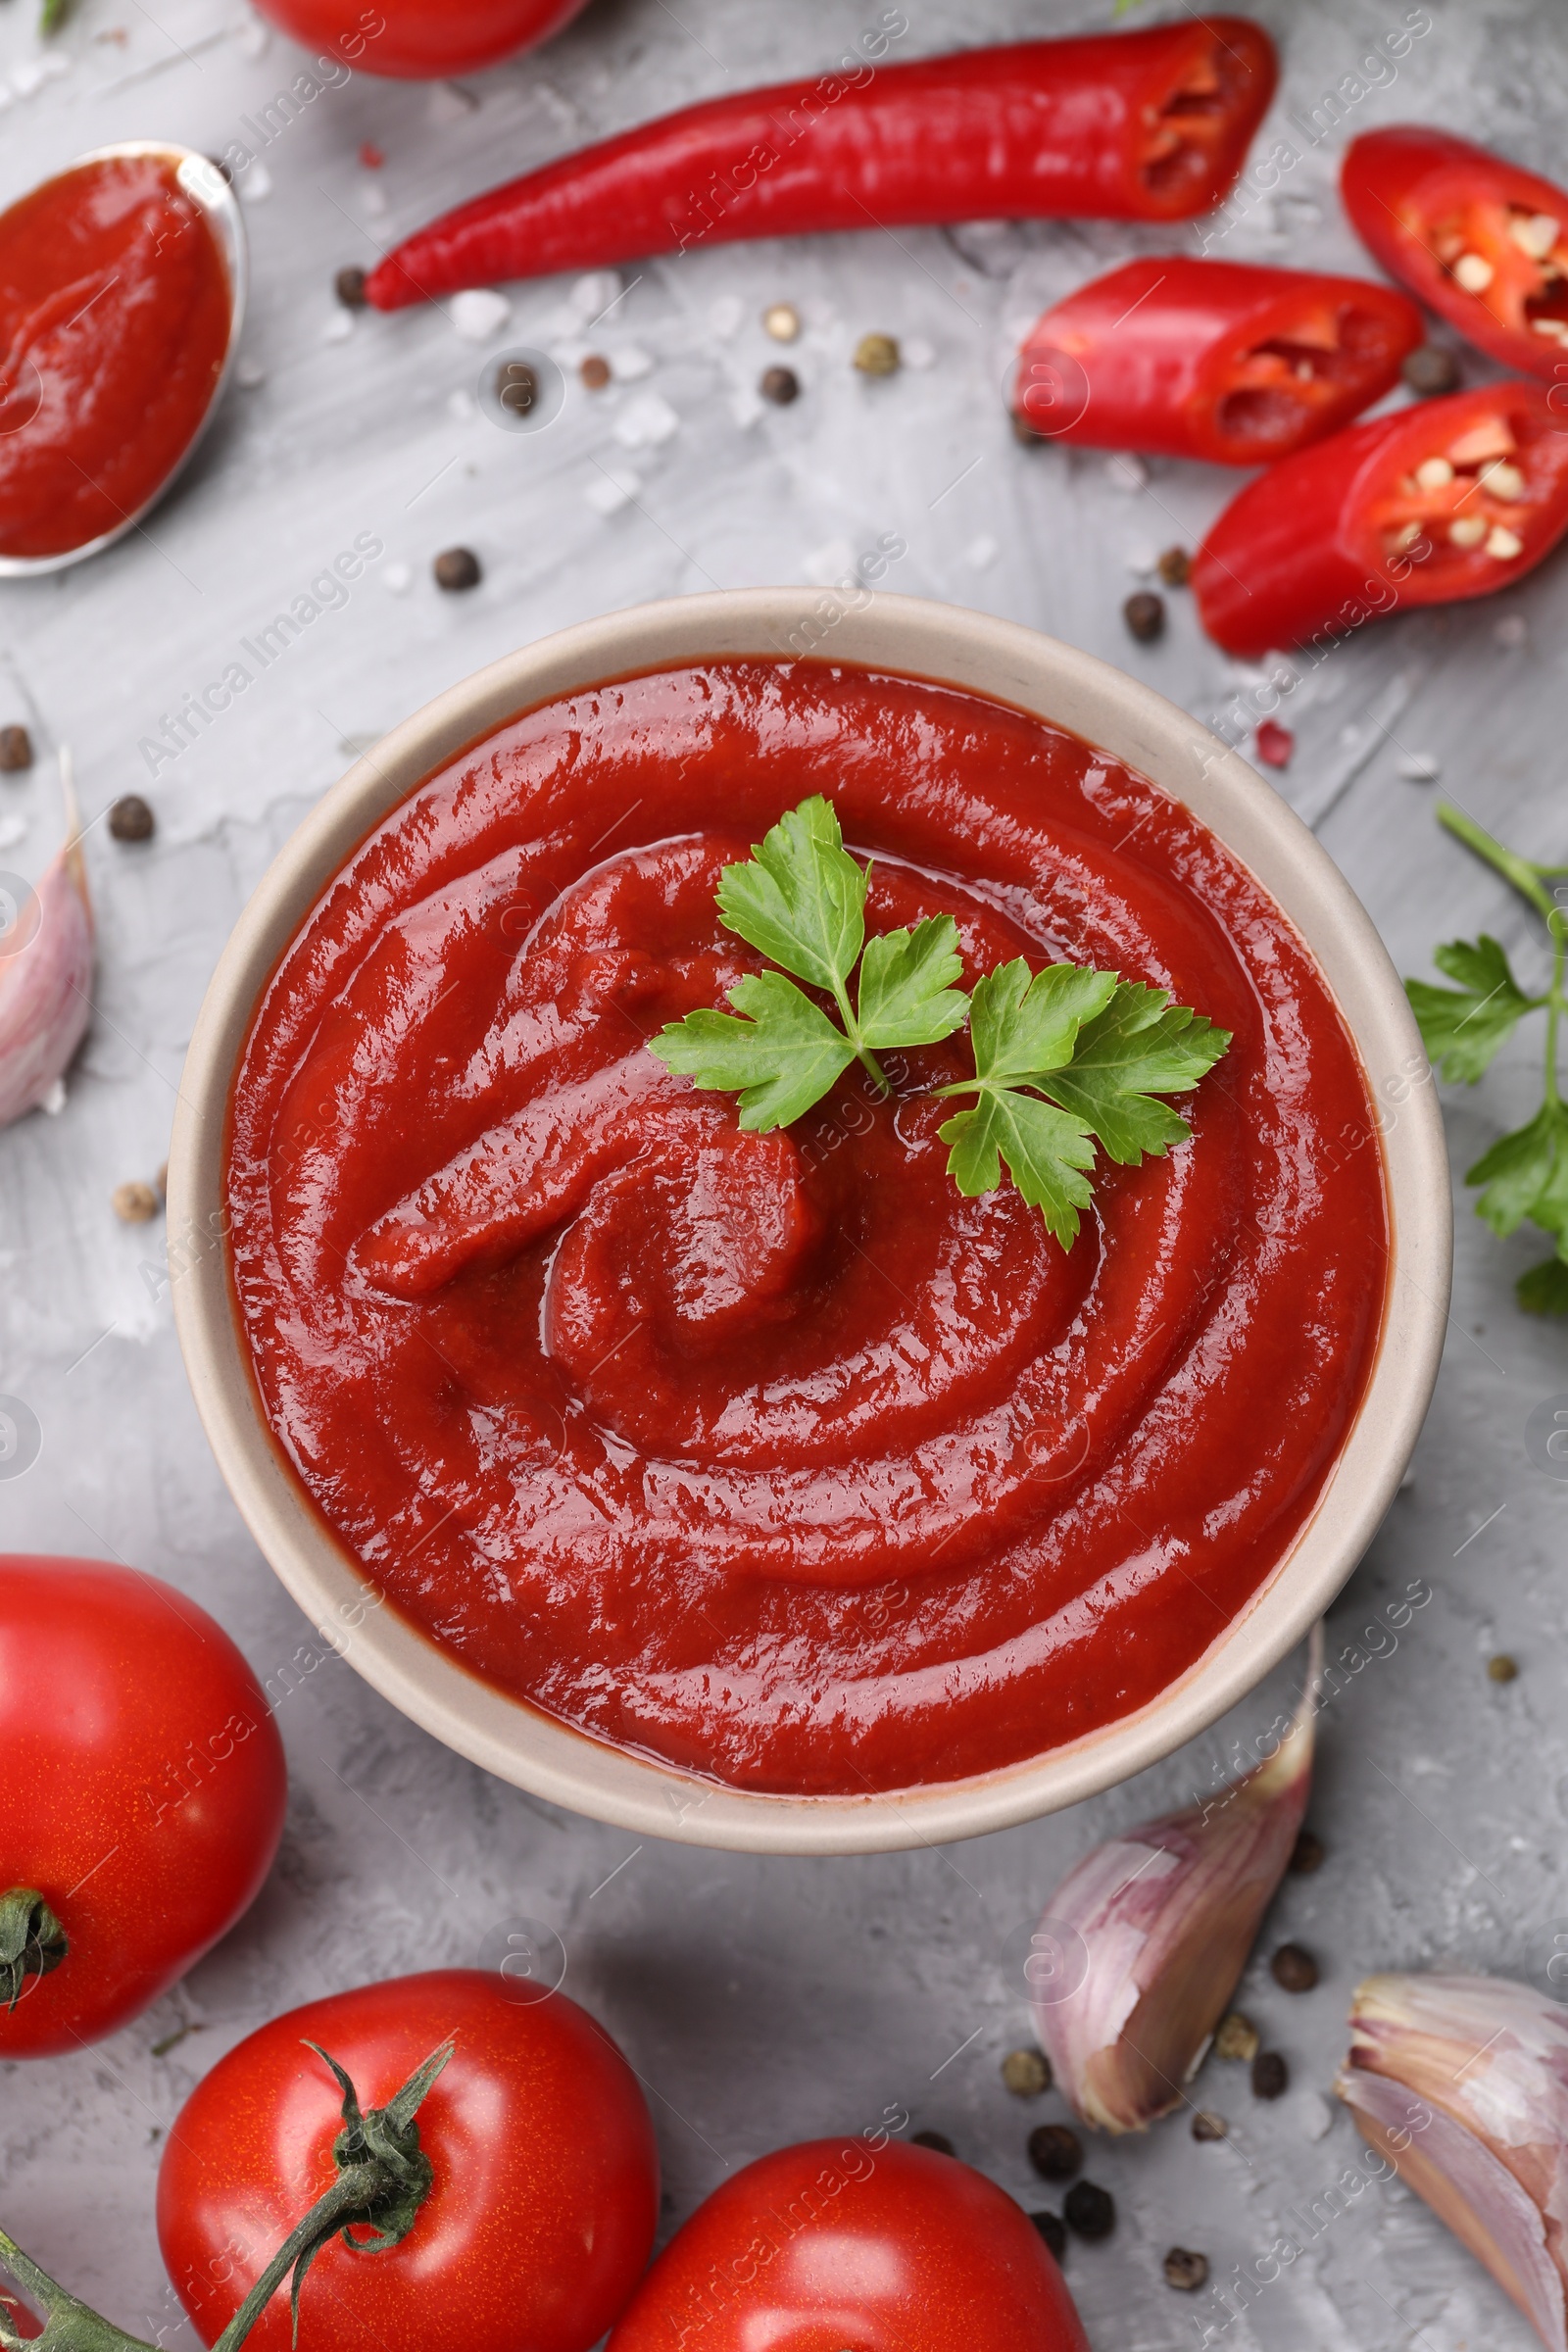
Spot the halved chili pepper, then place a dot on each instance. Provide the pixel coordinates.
(1147, 126)
(1482, 240)
(1454, 498)
(1215, 359)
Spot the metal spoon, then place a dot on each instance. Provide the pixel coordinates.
(201, 180)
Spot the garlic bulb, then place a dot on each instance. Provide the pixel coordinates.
(45, 974)
(1161, 1922)
(1462, 2083)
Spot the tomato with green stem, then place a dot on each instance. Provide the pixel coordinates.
(142, 1798)
(854, 2245)
(421, 40)
(538, 2214)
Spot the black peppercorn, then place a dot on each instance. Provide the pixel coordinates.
(349, 287)
(16, 751)
(1053, 2230)
(1271, 2077)
(1293, 1969)
(1429, 368)
(1055, 2151)
(1145, 615)
(1089, 2210)
(938, 2140)
(130, 819)
(780, 385)
(456, 568)
(1306, 1855)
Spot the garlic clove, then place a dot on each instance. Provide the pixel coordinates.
(45, 977)
(1162, 1919)
(1462, 2083)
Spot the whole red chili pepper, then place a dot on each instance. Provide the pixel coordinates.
(1147, 126)
(1483, 242)
(1452, 498)
(1214, 360)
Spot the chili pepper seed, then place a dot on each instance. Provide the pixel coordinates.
(1175, 568)
(130, 819)
(1236, 2037)
(938, 2142)
(134, 1203)
(349, 287)
(595, 371)
(1185, 2270)
(780, 385)
(456, 569)
(1053, 2230)
(1145, 615)
(781, 321)
(1502, 1670)
(1293, 1969)
(1207, 2126)
(1026, 2073)
(1430, 370)
(16, 751)
(1474, 272)
(1055, 2151)
(877, 355)
(1271, 2077)
(1307, 1854)
(1089, 2210)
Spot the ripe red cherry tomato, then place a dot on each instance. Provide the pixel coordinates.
(541, 2214)
(421, 40)
(141, 1797)
(843, 2243)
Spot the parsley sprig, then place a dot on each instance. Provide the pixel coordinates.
(1523, 1176)
(1062, 1058)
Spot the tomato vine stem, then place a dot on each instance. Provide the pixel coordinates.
(384, 2178)
(32, 1941)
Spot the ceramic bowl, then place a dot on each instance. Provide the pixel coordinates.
(1012, 665)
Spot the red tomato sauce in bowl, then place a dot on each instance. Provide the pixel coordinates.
(772, 1455)
(115, 309)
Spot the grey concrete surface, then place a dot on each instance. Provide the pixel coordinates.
(764, 2001)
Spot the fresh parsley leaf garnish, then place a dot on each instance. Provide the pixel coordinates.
(1063, 1057)
(1096, 1046)
(800, 900)
(1462, 1028)
(1523, 1176)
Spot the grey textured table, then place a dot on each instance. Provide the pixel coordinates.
(764, 2000)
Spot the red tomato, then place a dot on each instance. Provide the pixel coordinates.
(143, 1789)
(546, 2188)
(421, 40)
(841, 2245)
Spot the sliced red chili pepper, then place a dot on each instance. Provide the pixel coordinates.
(1483, 242)
(1148, 125)
(1214, 360)
(1451, 499)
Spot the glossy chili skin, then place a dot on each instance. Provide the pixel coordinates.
(143, 1789)
(541, 2215)
(1427, 205)
(1224, 361)
(115, 314)
(773, 1455)
(861, 2242)
(1147, 126)
(1345, 533)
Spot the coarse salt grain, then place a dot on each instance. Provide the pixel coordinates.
(12, 830)
(54, 1102)
(646, 422)
(339, 327)
(255, 185)
(398, 578)
(461, 407)
(1141, 562)
(372, 199)
(1419, 768)
(917, 352)
(478, 312)
(982, 553)
(746, 405)
(594, 294)
(1126, 472)
(631, 363)
(825, 564)
(26, 77)
(249, 373)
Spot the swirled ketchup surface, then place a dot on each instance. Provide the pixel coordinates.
(114, 312)
(773, 1455)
